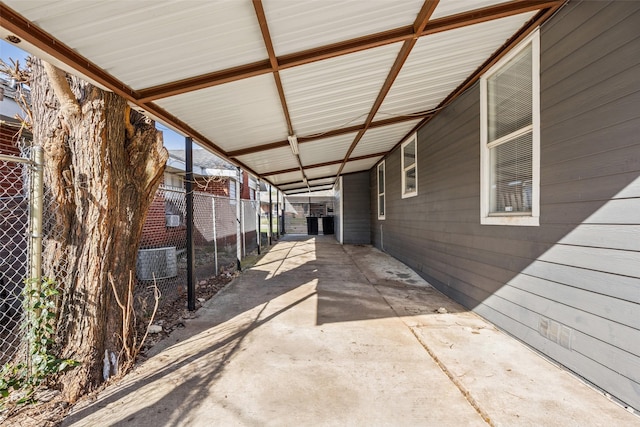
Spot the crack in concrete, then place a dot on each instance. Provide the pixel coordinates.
(467, 395)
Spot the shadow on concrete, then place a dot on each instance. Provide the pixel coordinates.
(305, 267)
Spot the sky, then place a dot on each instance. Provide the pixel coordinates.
(172, 140)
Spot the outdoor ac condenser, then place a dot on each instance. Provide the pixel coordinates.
(159, 262)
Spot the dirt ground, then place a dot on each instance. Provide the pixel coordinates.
(51, 408)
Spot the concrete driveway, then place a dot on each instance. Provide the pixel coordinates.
(322, 334)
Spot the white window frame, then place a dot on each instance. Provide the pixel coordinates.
(521, 219)
(412, 140)
(382, 193)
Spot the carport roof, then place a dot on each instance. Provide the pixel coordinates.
(295, 92)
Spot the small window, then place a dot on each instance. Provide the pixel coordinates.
(510, 138)
(381, 200)
(409, 167)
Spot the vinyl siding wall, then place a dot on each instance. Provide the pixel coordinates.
(570, 288)
(356, 213)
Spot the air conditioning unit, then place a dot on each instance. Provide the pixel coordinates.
(161, 263)
(173, 220)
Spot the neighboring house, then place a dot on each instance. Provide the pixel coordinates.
(165, 224)
(521, 199)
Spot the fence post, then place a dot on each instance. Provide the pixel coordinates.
(215, 234)
(36, 202)
(243, 231)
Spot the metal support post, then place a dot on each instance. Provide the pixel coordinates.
(278, 213)
(191, 294)
(258, 220)
(238, 223)
(270, 226)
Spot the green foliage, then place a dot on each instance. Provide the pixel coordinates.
(38, 327)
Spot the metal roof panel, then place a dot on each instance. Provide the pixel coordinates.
(285, 177)
(452, 7)
(336, 92)
(236, 115)
(360, 165)
(270, 160)
(439, 63)
(382, 139)
(325, 150)
(321, 172)
(296, 25)
(146, 43)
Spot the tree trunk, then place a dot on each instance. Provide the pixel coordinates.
(103, 165)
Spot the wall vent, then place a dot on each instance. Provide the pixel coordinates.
(159, 262)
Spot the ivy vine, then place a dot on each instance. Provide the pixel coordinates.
(38, 328)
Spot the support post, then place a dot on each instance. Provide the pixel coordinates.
(270, 226)
(259, 217)
(191, 294)
(278, 213)
(238, 223)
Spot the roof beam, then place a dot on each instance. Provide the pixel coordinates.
(309, 180)
(335, 132)
(204, 81)
(345, 47)
(331, 163)
(268, 43)
(273, 61)
(488, 13)
(428, 7)
(301, 190)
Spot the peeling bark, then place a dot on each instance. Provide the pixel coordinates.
(103, 165)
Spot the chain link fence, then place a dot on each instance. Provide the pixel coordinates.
(223, 233)
(14, 246)
(162, 255)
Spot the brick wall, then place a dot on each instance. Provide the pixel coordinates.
(10, 176)
(155, 233)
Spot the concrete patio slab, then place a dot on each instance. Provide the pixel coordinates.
(322, 334)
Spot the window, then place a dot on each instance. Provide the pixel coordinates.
(510, 138)
(381, 190)
(409, 167)
(173, 180)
